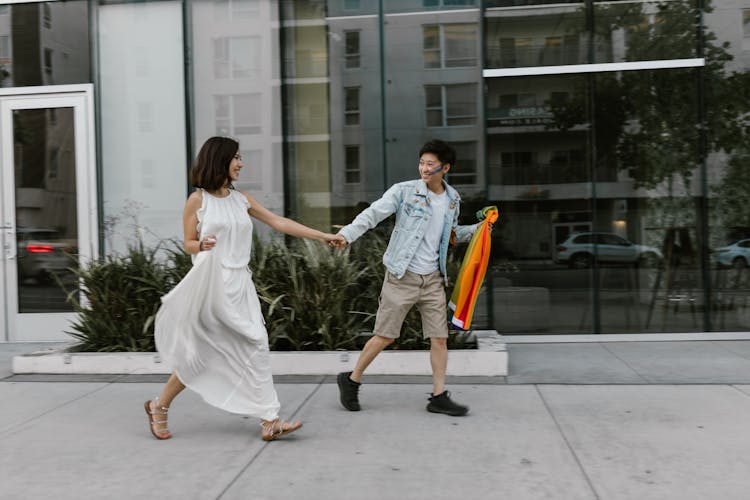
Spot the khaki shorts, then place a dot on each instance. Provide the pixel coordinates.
(398, 296)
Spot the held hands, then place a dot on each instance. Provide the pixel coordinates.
(335, 240)
(207, 243)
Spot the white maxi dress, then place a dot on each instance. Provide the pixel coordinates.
(210, 328)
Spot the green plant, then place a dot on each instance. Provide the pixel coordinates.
(122, 295)
(312, 297)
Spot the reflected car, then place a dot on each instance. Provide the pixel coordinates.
(577, 251)
(736, 255)
(43, 253)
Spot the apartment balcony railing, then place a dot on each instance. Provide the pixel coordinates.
(541, 173)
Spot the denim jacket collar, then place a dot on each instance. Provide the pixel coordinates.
(421, 189)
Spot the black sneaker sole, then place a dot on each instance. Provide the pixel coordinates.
(452, 413)
(342, 381)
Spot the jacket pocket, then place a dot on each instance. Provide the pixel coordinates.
(412, 216)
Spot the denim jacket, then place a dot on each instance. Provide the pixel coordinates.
(409, 201)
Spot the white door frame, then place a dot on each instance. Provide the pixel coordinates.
(28, 327)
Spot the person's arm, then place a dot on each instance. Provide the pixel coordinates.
(373, 215)
(463, 233)
(285, 225)
(190, 226)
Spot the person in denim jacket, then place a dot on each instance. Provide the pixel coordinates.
(426, 214)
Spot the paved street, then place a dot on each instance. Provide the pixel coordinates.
(638, 420)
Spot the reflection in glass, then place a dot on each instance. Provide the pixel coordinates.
(236, 89)
(645, 31)
(548, 36)
(558, 34)
(539, 178)
(45, 198)
(44, 44)
(647, 135)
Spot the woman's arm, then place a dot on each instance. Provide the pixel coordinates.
(190, 226)
(285, 225)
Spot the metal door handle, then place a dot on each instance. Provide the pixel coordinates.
(9, 247)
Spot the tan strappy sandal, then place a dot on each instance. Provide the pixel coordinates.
(153, 409)
(275, 429)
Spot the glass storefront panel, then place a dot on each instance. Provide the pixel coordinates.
(236, 90)
(142, 108)
(645, 31)
(728, 165)
(306, 61)
(648, 213)
(533, 33)
(433, 91)
(44, 44)
(539, 178)
(527, 34)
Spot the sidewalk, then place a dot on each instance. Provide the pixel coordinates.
(625, 420)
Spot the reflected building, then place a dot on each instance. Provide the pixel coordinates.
(611, 135)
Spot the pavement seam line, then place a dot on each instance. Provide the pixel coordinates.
(642, 377)
(12, 430)
(567, 442)
(734, 386)
(721, 346)
(262, 448)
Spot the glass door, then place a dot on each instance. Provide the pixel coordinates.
(48, 208)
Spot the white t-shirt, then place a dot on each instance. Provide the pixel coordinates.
(425, 261)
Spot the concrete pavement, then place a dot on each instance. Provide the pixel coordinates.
(625, 420)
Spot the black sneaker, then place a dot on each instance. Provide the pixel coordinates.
(348, 391)
(442, 403)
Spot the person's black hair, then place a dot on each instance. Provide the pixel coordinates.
(211, 168)
(444, 152)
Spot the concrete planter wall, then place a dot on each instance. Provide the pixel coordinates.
(489, 359)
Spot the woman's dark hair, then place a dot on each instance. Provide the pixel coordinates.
(444, 152)
(211, 168)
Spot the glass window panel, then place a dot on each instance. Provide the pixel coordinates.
(45, 197)
(460, 45)
(245, 56)
(431, 36)
(352, 99)
(644, 31)
(246, 118)
(545, 204)
(431, 40)
(465, 169)
(48, 44)
(433, 96)
(434, 118)
(519, 36)
(351, 106)
(746, 23)
(461, 106)
(352, 49)
(241, 38)
(153, 211)
(221, 58)
(352, 172)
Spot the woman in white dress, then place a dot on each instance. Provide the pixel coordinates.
(209, 328)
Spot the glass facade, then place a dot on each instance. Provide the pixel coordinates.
(611, 135)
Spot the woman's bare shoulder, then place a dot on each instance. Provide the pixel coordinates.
(195, 196)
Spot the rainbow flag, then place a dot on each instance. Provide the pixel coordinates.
(473, 269)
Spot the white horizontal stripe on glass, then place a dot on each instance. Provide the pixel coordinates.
(593, 68)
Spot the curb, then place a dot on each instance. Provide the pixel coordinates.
(490, 359)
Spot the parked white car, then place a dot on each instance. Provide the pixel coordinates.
(736, 255)
(577, 251)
